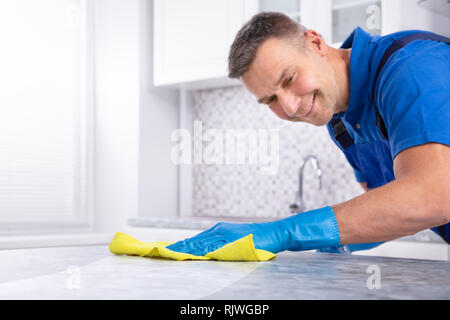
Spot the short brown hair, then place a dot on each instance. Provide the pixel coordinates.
(261, 27)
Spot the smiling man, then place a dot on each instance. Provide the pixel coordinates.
(386, 103)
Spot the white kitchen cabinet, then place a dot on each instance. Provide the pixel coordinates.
(336, 19)
(192, 37)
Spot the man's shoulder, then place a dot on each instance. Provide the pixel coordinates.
(417, 65)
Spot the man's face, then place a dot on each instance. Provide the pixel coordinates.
(297, 84)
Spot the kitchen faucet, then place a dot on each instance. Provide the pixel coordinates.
(299, 205)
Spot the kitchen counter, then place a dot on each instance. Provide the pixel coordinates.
(92, 272)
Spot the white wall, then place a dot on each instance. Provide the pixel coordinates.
(414, 17)
(159, 110)
(117, 112)
(133, 120)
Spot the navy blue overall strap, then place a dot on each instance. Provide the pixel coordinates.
(340, 133)
(396, 45)
(441, 232)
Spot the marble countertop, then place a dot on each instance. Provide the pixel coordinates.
(92, 272)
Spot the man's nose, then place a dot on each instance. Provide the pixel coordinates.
(289, 102)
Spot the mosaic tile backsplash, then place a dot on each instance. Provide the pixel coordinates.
(264, 188)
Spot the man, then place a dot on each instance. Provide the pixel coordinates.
(386, 103)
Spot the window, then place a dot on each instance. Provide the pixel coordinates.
(45, 114)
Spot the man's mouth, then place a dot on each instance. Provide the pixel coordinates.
(310, 108)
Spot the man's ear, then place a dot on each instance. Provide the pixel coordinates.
(315, 42)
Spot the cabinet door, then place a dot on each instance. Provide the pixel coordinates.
(347, 14)
(192, 38)
(292, 8)
(336, 19)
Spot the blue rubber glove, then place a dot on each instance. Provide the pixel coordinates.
(350, 247)
(304, 231)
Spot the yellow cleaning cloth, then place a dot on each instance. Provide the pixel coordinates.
(239, 250)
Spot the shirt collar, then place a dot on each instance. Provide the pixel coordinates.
(360, 77)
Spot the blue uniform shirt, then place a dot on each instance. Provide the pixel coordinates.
(412, 93)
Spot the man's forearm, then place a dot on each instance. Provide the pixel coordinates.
(400, 208)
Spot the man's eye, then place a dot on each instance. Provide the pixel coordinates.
(290, 79)
(271, 99)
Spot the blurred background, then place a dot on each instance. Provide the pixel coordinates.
(118, 116)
